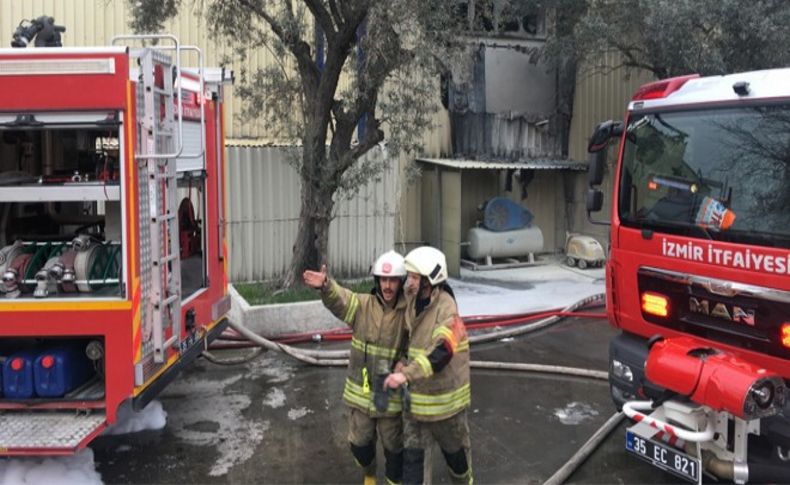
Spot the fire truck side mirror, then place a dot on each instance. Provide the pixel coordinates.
(594, 200)
(595, 168)
(603, 133)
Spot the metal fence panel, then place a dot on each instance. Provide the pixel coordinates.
(263, 216)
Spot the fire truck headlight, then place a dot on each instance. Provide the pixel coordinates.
(622, 370)
(766, 397)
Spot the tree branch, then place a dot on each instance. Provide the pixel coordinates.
(335, 13)
(297, 46)
(322, 17)
(373, 135)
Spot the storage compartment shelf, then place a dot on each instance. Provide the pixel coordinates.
(60, 193)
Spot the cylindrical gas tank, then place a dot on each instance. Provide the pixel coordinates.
(505, 244)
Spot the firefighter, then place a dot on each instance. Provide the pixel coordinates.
(437, 372)
(377, 321)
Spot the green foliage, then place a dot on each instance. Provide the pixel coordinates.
(386, 80)
(272, 293)
(150, 15)
(676, 37)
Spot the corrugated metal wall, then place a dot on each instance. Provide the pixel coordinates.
(601, 95)
(264, 204)
(95, 22)
(263, 190)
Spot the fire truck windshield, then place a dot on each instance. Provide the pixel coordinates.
(717, 173)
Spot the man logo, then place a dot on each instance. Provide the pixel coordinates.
(720, 310)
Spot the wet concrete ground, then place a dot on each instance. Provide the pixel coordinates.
(278, 421)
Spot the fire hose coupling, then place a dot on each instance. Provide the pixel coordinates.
(10, 277)
(81, 242)
(714, 378)
(42, 281)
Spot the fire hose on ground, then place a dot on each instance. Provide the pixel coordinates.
(339, 358)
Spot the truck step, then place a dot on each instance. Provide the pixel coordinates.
(48, 433)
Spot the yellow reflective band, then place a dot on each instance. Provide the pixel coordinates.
(415, 352)
(427, 405)
(365, 381)
(443, 332)
(428, 399)
(384, 352)
(333, 291)
(425, 365)
(353, 305)
(464, 345)
(433, 410)
(353, 394)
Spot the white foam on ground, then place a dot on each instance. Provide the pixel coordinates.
(575, 412)
(275, 398)
(545, 288)
(297, 413)
(153, 416)
(78, 469)
(213, 413)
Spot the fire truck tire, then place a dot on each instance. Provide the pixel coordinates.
(570, 261)
(582, 264)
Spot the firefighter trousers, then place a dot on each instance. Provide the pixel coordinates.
(362, 433)
(452, 436)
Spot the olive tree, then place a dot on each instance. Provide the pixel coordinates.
(675, 37)
(345, 71)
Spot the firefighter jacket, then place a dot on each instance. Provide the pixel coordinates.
(378, 332)
(439, 389)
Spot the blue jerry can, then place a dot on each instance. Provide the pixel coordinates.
(60, 370)
(18, 375)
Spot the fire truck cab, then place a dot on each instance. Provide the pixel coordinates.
(698, 279)
(113, 270)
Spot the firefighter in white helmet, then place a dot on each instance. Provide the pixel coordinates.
(437, 371)
(377, 321)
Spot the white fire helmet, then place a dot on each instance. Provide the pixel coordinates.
(428, 262)
(389, 264)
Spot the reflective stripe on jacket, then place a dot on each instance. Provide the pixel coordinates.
(437, 396)
(378, 333)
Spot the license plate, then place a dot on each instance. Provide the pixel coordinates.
(664, 457)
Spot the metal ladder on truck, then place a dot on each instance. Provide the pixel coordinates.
(160, 130)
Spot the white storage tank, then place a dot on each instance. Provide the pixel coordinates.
(506, 244)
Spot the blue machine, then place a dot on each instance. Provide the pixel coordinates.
(18, 375)
(502, 214)
(60, 370)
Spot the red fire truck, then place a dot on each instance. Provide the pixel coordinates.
(112, 247)
(698, 279)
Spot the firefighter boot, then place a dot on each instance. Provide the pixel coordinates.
(458, 465)
(413, 463)
(366, 458)
(393, 470)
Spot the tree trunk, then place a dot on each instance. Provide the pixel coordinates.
(312, 237)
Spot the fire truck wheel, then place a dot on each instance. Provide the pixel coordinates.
(582, 264)
(570, 261)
